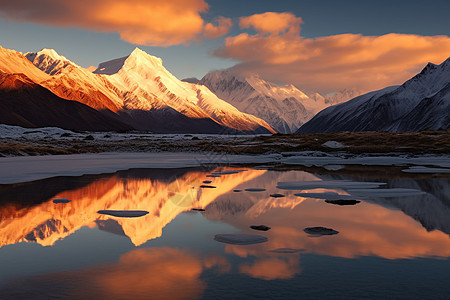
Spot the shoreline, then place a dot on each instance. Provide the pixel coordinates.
(20, 169)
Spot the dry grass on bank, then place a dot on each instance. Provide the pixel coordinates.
(437, 142)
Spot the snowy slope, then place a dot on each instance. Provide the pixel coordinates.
(12, 62)
(72, 82)
(149, 86)
(285, 108)
(421, 103)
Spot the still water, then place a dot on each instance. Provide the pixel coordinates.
(388, 246)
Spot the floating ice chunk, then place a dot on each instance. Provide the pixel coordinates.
(342, 184)
(227, 172)
(386, 193)
(333, 145)
(61, 200)
(319, 231)
(255, 190)
(240, 239)
(325, 195)
(420, 169)
(123, 213)
(334, 167)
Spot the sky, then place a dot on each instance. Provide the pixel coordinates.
(318, 45)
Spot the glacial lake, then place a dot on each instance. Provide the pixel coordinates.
(392, 243)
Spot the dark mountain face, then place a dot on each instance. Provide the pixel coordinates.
(421, 103)
(27, 104)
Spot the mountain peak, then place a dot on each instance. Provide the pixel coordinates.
(51, 53)
(142, 56)
(136, 59)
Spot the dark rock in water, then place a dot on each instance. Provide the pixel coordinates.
(343, 202)
(240, 239)
(203, 186)
(255, 190)
(198, 209)
(123, 213)
(212, 175)
(320, 231)
(237, 191)
(89, 138)
(207, 181)
(260, 227)
(61, 200)
(285, 250)
(277, 195)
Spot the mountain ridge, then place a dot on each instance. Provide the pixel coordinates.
(136, 88)
(285, 108)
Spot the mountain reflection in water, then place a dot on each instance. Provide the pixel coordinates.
(389, 228)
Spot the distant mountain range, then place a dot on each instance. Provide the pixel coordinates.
(421, 103)
(285, 108)
(136, 92)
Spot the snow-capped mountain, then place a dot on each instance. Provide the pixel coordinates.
(144, 94)
(285, 108)
(421, 103)
(149, 86)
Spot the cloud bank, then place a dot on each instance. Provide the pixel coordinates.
(144, 22)
(279, 53)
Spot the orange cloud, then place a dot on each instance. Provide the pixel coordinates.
(147, 273)
(271, 22)
(212, 31)
(331, 63)
(144, 22)
(272, 268)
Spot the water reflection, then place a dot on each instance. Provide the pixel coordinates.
(174, 266)
(152, 273)
(163, 198)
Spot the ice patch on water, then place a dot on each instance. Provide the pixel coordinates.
(421, 169)
(332, 184)
(386, 193)
(240, 239)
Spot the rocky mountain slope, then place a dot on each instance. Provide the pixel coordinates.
(421, 103)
